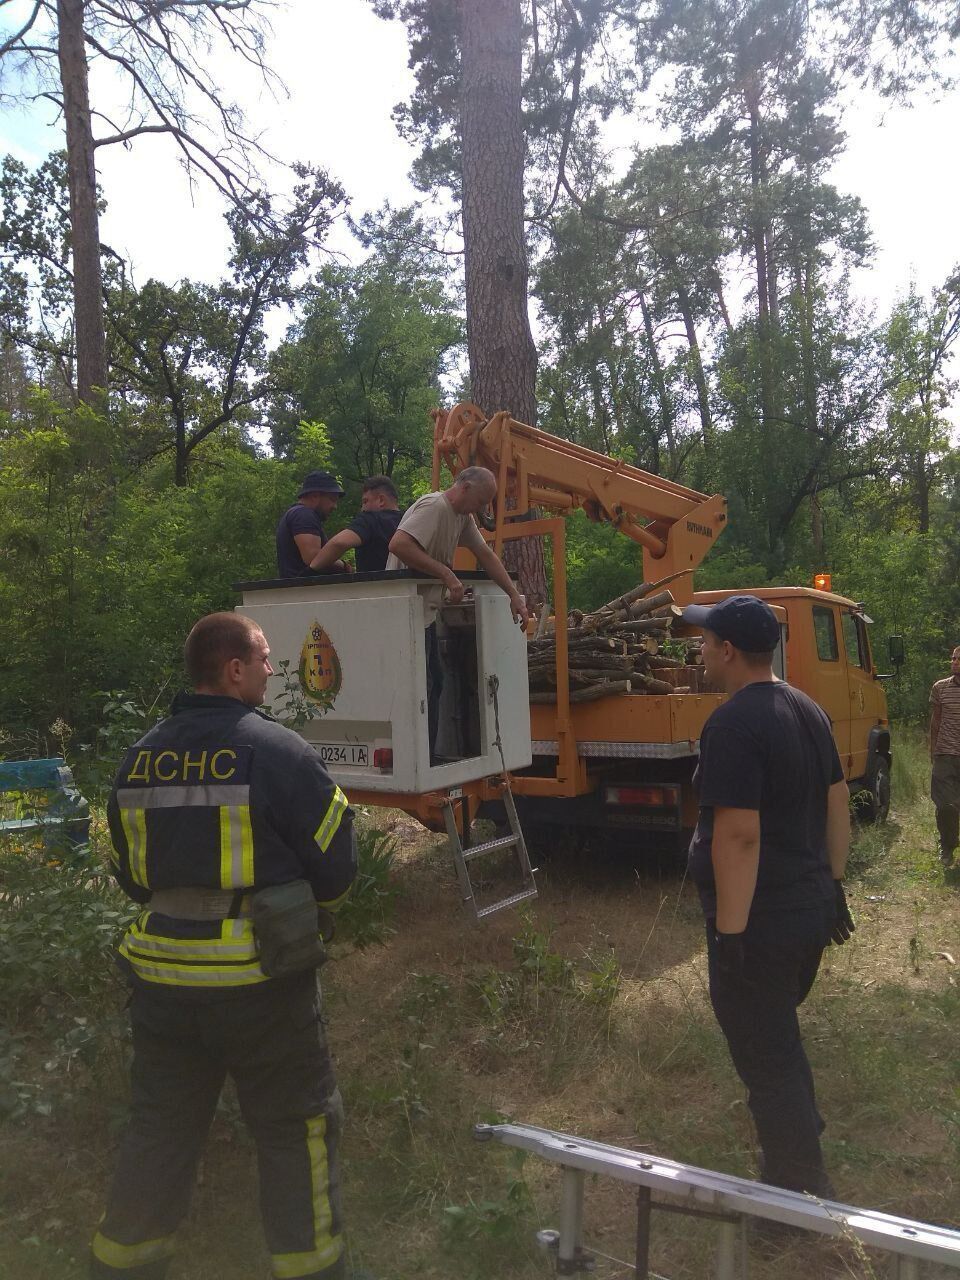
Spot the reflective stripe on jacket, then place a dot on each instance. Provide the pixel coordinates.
(219, 796)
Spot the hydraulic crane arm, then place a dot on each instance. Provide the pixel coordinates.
(675, 526)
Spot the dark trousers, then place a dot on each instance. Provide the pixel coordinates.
(269, 1038)
(434, 685)
(758, 1016)
(945, 793)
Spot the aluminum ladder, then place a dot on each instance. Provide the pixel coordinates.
(464, 854)
(704, 1193)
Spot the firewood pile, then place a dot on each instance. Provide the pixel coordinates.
(620, 649)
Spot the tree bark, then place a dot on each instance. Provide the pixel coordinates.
(84, 215)
(503, 358)
(758, 219)
(699, 377)
(659, 382)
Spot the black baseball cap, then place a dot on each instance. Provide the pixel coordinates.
(748, 623)
(321, 482)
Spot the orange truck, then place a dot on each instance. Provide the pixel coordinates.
(625, 762)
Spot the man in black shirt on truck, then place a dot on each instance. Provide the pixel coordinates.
(300, 533)
(370, 532)
(768, 857)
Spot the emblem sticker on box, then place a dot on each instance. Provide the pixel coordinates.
(320, 673)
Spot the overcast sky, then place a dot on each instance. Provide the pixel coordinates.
(346, 69)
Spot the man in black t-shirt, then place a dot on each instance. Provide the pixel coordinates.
(767, 857)
(300, 532)
(370, 532)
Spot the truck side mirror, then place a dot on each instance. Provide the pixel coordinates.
(896, 650)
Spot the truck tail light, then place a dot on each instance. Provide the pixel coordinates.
(647, 797)
(383, 758)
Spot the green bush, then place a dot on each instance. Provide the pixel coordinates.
(59, 926)
(366, 915)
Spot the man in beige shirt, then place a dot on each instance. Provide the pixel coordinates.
(426, 541)
(945, 756)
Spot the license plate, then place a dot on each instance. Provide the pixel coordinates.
(349, 753)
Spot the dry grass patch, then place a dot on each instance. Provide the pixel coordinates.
(587, 1014)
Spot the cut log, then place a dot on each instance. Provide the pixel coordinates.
(575, 640)
(675, 612)
(652, 685)
(609, 689)
(636, 593)
(638, 609)
(650, 604)
(584, 658)
(645, 624)
(576, 676)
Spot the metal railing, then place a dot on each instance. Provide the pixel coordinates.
(728, 1200)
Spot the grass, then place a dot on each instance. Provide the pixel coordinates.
(587, 1014)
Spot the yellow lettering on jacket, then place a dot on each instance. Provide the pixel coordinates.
(200, 765)
(166, 777)
(140, 772)
(224, 751)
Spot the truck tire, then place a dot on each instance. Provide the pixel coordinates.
(877, 807)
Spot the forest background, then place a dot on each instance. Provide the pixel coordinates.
(695, 311)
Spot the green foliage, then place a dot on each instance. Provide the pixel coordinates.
(295, 709)
(366, 916)
(493, 1231)
(59, 926)
(548, 1003)
(368, 354)
(104, 570)
(903, 578)
(601, 563)
(122, 721)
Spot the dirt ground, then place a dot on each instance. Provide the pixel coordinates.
(587, 1014)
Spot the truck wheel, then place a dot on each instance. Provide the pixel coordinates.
(877, 807)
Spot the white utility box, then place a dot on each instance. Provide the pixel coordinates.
(357, 645)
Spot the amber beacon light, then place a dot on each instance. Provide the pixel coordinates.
(821, 581)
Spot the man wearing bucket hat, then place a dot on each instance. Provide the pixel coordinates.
(768, 856)
(300, 532)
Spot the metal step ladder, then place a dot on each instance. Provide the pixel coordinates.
(465, 854)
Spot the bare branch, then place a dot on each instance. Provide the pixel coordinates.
(127, 134)
(14, 40)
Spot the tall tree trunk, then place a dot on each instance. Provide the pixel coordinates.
(84, 217)
(758, 221)
(816, 528)
(921, 489)
(503, 358)
(773, 288)
(721, 301)
(758, 194)
(699, 377)
(660, 384)
(181, 457)
(807, 279)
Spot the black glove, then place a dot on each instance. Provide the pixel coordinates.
(730, 953)
(843, 926)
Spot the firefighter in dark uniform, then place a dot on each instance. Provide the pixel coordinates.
(225, 823)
